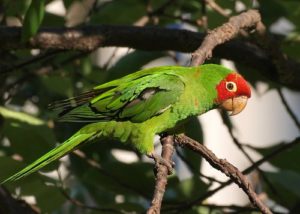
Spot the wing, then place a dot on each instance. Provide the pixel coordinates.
(135, 99)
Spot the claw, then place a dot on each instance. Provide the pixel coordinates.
(161, 161)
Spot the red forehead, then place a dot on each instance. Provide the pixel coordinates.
(243, 88)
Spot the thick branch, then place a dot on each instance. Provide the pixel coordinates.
(88, 38)
(151, 39)
(224, 166)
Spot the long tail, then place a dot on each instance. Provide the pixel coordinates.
(69, 145)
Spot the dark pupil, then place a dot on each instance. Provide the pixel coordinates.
(229, 86)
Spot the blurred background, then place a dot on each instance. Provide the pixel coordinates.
(108, 177)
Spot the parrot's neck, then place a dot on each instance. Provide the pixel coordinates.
(202, 93)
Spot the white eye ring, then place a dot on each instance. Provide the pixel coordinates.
(231, 86)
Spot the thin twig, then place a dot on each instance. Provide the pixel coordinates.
(235, 209)
(84, 206)
(111, 57)
(190, 166)
(224, 33)
(280, 149)
(241, 148)
(112, 177)
(227, 168)
(288, 108)
(230, 208)
(213, 5)
(204, 19)
(281, 61)
(31, 60)
(277, 151)
(162, 174)
(28, 74)
(78, 203)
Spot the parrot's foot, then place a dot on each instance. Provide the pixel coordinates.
(161, 161)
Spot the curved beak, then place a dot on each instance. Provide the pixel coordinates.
(235, 105)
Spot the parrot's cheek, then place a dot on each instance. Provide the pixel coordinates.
(235, 105)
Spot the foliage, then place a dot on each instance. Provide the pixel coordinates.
(98, 179)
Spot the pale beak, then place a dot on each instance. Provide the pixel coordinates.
(235, 105)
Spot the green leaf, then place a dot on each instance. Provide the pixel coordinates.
(287, 184)
(191, 6)
(291, 45)
(288, 159)
(52, 20)
(58, 84)
(215, 19)
(33, 186)
(183, 190)
(67, 3)
(290, 180)
(123, 179)
(20, 116)
(130, 207)
(292, 11)
(134, 182)
(8, 166)
(43, 192)
(33, 19)
(29, 136)
(287, 9)
(113, 12)
(191, 187)
(270, 16)
(193, 129)
(203, 210)
(132, 62)
(15, 7)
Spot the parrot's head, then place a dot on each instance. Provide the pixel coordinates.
(233, 92)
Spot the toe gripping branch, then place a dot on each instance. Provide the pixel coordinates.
(160, 161)
(163, 167)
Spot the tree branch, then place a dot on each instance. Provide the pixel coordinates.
(224, 166)
(89, 38)
(241, 148)
(8, 204)
(87, 207)
(281, 61)
(277, 151)
(196, 171)
(118, 181)
(224, 33)
(161, 175)
(288, 108)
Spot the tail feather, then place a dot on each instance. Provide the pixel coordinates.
(56, 153)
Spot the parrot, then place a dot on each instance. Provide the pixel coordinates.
(135, 108)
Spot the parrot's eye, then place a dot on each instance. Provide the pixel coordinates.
(231, 86)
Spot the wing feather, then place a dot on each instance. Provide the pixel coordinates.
(135, 99)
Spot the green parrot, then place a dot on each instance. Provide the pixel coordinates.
(136, 107)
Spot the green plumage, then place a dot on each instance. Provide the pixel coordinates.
(136, 107)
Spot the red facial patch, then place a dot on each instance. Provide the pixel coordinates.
(242, 87)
